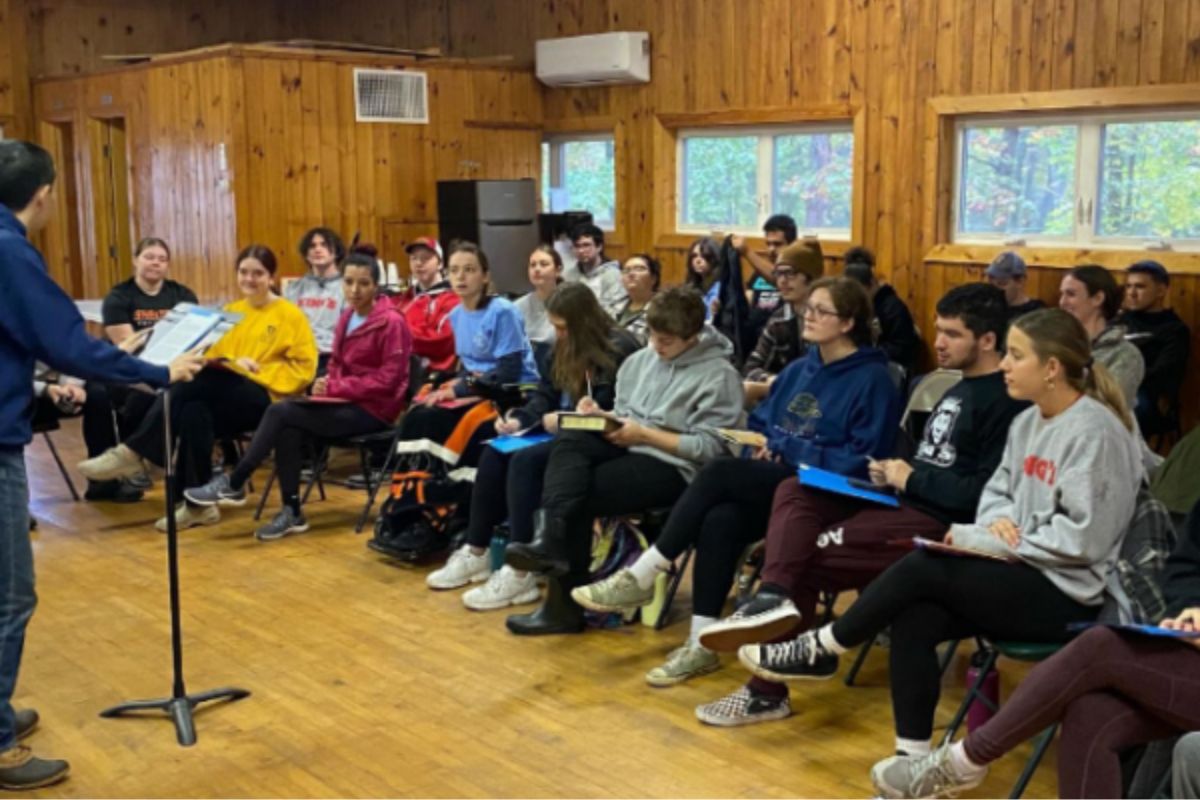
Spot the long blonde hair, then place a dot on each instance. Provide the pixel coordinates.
(1056, 334)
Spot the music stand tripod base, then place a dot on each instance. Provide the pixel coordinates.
(180, 704)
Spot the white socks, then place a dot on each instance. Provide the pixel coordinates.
(647, 567)
(912, 747)
(962, 763)
(825, 638)
(699, 624)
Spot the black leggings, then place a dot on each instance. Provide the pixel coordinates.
(588, 477)
(111, 409)
(217, 404)
(725, 509)
(507, 486)
(285, 427)
(929, 599)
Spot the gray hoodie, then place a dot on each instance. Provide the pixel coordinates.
(605, 282)
(1070, 484)
(694, 394)
(1122, 359)
(321, 300)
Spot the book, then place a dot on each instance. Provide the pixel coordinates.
(823, 479)
(596, 423)
(746, 438)
(184, 328)
(515, 442)
(921, 543)
(1144, 630)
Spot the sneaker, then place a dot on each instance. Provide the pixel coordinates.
(743, 707)
(504, 588)
(27, 722)
(802, 658)
(618, 592)
(190, 517)
(765, 617)
(461, 568)
(285, 522)
(140, 481)
(932, 775)
(689, 661)
(121, 491)
(115, 462)
(21, 770)
(216, 492)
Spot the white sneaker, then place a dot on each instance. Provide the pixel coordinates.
(115, 462)
(187, 517)
(503, 589)
(461, 568)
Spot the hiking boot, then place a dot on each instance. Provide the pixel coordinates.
(21, 770)
(121, 491)
(931, 775)
(115, 462)
(504, 588)
(764, 618)
(743, 707)
(27, 722)
(190, 517)
(802, 658)
(461, 568)
(688, 661)
(547, 553)
(216, 492)
(285, 522)
(618, 592)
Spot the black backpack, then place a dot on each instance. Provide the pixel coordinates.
(414, 522)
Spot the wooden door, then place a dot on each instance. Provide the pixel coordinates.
(60, 239)
(110, 198)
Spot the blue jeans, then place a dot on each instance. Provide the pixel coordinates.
(17, 597)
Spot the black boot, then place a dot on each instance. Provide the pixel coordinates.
(558, 614)
(547, 553)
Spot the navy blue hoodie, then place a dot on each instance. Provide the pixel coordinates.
(831, 416)
(38, 322)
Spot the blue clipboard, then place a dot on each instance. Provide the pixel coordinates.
(1144, 630)
(511, 444)
(823, 479)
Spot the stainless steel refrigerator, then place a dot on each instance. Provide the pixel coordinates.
(499, 216)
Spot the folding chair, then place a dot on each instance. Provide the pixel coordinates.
(44, 429)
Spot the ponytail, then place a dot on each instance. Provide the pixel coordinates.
(1099, 384)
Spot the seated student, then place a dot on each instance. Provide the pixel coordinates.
(779, 231)
(1056, 510)
(836, 408)
(269, 354)
(1007, 272)
(1110, 690)
(427, 304)
(897, 333)
(1091, 295)
(959, 450)
(671, 398)
(704, 273)
(490, 341)
(130, 307)
(368, 370)
(781, 341)
(601, 276)
(545, 273)
(641, 275)
(589, 349)
(1163, 339)
(318, 293)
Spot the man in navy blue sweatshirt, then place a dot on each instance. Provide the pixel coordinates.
(38, 322)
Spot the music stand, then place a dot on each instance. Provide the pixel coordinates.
(180, 704)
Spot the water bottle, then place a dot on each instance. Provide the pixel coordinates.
(979, 713)
(650, 612)
(497, 546)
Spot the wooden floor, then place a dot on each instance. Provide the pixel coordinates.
(365, 683)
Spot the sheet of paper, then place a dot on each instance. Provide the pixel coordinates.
(185, 334)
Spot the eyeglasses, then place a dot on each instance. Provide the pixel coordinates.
(784, 274)
(634, 269)
(809, 310)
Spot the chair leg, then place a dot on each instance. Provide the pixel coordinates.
(989, 664)
(1039, 750)
(948, 656)
(859, 660)
(62, 468)
(262, 501)
(318, 468)
(364, 459)
(672, 588)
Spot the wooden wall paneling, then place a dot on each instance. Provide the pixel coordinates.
(1041, 46)
(1173, 47)
(1192, 72)
(1105, 28)
(1002, 55)
(1062, 65)
(16, 102)
(1129, 42)
(1021, 72)
(1150, 51)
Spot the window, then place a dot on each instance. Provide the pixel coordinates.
(733, 179)
(1115, 181)
(578, 174)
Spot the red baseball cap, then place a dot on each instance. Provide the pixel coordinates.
(429, 243)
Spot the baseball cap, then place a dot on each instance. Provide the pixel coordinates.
(1006, 266)
(1152, 268)
(429, 243)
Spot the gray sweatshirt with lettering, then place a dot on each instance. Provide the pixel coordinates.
(1070, 484)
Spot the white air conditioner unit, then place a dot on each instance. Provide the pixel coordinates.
(602, 59)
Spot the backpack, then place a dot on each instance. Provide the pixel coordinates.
(616, 544)
(414, 521)
(1137, 574)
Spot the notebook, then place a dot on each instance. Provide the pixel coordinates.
(511, 444)
(922, 543)
(1144, 630)
(823, 479)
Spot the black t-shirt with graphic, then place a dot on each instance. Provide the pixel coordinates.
(961, 447)
(127, 304)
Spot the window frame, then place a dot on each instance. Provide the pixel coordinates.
(555, 142)
(1088, 178)
(765, 172)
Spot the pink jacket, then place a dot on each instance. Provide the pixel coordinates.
(370, 366)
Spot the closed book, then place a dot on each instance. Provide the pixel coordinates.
(572, 421)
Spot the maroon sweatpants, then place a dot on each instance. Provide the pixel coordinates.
(819, 541)
(1111, 691)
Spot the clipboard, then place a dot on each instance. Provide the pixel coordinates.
(185, 327)
(823, 479)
